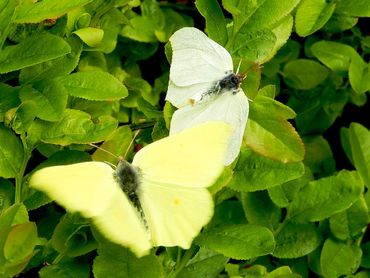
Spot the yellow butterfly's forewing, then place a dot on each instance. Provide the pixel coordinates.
(82, 187)
(191, 158)
(90, 189)
(175, 214)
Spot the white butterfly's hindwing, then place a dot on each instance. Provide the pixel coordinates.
(227, 107)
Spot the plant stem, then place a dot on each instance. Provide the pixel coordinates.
(182, 262)
(19, 177)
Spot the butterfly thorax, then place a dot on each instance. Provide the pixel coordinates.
(230, 82)
(129, 180)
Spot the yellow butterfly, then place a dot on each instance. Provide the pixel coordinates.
(159, 200)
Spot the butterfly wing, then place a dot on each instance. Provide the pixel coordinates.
(175, 172)
(91, 189)
(175, 214)
(230, 108)
(192, 158)
(121, 223)
(197, 63)
(67, 183)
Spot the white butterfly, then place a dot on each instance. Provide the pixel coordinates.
(204, 87)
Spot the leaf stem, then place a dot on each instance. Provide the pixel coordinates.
(19, 177)
(180, 264)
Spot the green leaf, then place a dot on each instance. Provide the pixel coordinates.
(282, 33)
(312, 15)
(7, 193)
(359, 138)
(318, 109)
(270, 13)
(358, 8)
(14, 215)
(260, 210)
(323, 198)
(205, 263)
(215, 20)
(339, 258)
(20, 242)
(339, 23)
(350, 223)
(365, 260)
(94, 85)
(7, 10)
(304, 74)
(241, 11)
(269, 134)
(297, 240)
(49, 104)
(319, 157)
(33, 12)
(74, 127)
(54, 68)
(148, 110)
(238, 241)
(283, 271)
(33, 50)
(89, 35)
(112, 257)
(334, 55)
(72, 236)
(23, 116)
(254, 172)
(8, 99)
(283, 194)
(228, 212)
(11, 153)
(359, 74)
(254, 45)
(140, 29)
(117, 143)
(68, 269)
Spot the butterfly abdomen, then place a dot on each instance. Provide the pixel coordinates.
(129, 180)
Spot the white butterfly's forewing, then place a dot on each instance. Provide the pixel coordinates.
(192, 158)
(175, 214)
(227, 107)
(196, 61)
(91, 189)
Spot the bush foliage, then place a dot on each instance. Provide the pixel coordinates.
(294, 204)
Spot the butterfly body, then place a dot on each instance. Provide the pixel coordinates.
(128, 179)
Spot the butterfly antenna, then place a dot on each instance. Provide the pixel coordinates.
(131, 143)
(102, 149)
(240, 62)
